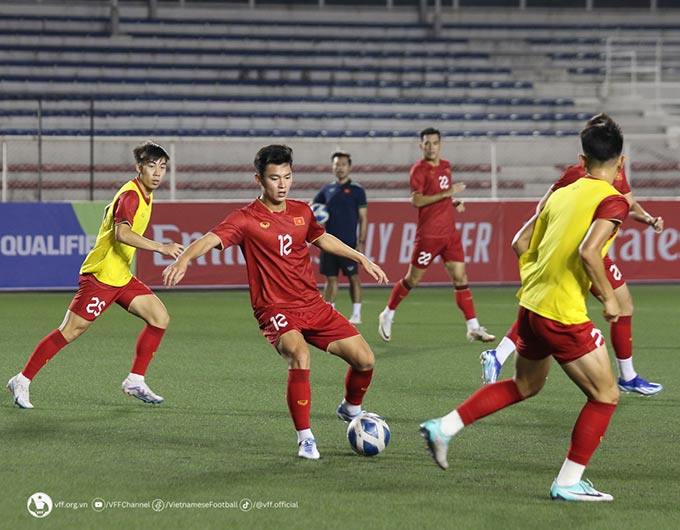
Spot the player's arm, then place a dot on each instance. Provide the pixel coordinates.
(363, 227)
(591, 253)
(419, 200)
(174, 272)
(124, 234)
(333, 245)
(639, 214)
(544, 199)
(522, 239)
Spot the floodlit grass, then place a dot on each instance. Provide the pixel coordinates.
(224, 434)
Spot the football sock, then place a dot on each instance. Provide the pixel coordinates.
(472, 324)
(489, 399)
(147, 344)
(21, 378)
(452, 423)
(399, 292)
(356, 384)
(44, 351)
(303, 434)
(299, 397)
(513, 332)
(504, 349)
(570, 473)
(464, 301)
(626, 369)
(135, 379)
(588, 430)
(356, 310)
(349, 408)
(622, 337)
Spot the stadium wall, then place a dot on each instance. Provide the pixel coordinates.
(43, 244)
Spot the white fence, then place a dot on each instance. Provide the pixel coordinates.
(77, 168)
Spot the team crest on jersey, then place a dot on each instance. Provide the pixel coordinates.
(299, 221)
(265, 224)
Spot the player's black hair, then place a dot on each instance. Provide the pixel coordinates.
(150, 151)
(272, 154)
(429, 130)
(601, 139)
(342, 153)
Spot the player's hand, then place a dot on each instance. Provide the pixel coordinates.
(611, 310)
(172, 249)
(376, 272)
(459, 205)
(457, 187)
(657, 224)
(173, 273)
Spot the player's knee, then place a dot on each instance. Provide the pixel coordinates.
(160, 319)
(627, 307)
(530, 387)
(363, 359)
(72, 330)
(610, 395)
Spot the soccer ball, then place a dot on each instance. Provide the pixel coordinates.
(368, 434)
(320, 212)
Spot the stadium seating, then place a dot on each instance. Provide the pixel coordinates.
(187, 73)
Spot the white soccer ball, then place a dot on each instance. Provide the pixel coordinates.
(320, 212)
(368, 434)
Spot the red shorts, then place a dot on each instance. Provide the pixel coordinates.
(540, 337)
(319, 323)
(614, 275)
(428, 248)
(94, 297)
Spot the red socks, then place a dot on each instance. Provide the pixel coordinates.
(589, 430)
(512, 333)
(464, 301)
(399, 292)
(299, 397)
(488, 400)
(147, 344)
(44, 351)
(622, 337)
(356, 385)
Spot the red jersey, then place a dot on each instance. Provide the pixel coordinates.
(436, 219)
(575, 172)
(274, 245)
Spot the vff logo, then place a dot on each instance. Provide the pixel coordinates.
(39, 505)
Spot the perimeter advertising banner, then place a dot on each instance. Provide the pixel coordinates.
(487, 228)
(43, 244)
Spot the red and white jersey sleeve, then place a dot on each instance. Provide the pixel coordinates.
(126, 208)
(575, 172)
(275, 247)
(436, 219)
(612, 208)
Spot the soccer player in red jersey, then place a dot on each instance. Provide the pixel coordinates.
(105, 278)
(560, 253)
(432, 191)
(621, 330)
(273, 232)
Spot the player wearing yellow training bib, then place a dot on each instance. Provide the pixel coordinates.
(110, 260)
(560, 257)
(554, 280)
(105, 278)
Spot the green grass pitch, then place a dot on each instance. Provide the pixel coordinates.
(224, 435)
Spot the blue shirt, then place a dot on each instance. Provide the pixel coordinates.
(343, 203)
